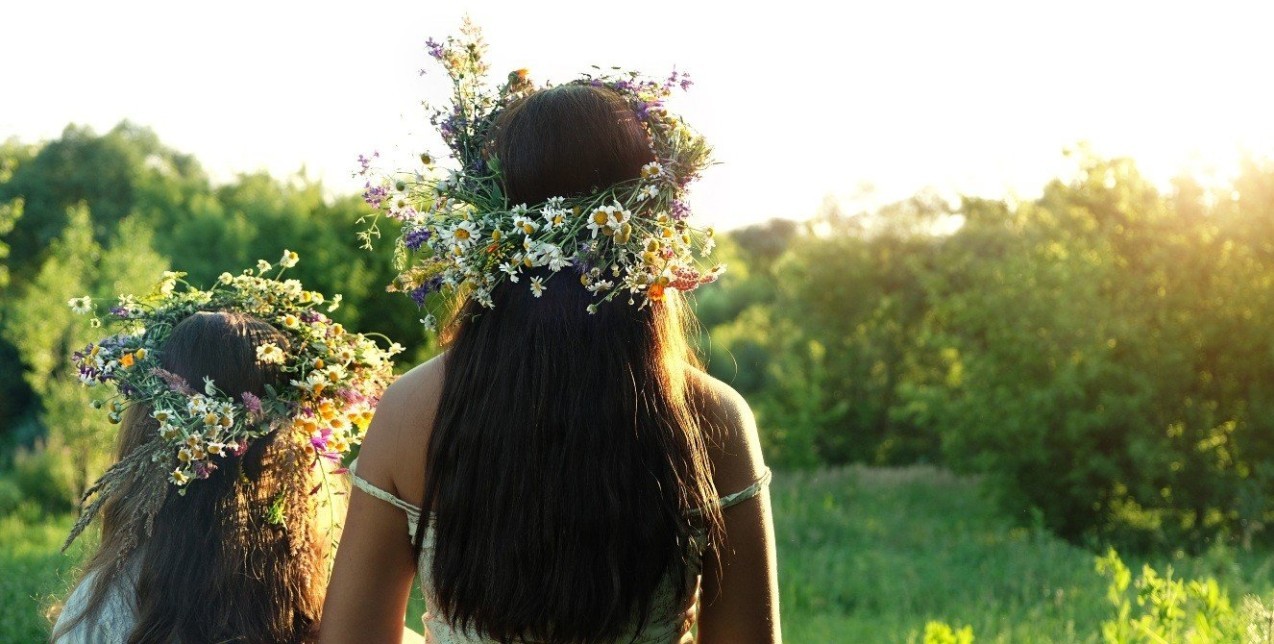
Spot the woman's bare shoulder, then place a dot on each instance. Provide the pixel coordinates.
(729, 427)
(396, 441)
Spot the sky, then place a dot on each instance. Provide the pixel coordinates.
(806, 102)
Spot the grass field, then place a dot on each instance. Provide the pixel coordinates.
(865, 555)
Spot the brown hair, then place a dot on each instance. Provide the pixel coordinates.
(566, 464)
(212, 564)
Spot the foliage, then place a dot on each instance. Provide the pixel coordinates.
(1097, 352)
(151, 208)
(943, 633)
(1170, 609)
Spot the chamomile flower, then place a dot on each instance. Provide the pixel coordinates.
(226, 278)
(510, 270)
(289, 259)
(270, 353)
(651, 170)
(537, 286)
(80, 305)
(262, 266)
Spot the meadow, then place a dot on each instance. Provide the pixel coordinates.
(865, 555)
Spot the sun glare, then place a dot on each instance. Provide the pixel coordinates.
(802, 100)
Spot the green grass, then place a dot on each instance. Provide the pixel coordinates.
(871, 555)
(865, 554)
(33, 573)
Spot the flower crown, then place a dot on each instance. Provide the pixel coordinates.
(335, 377)
(460, 233)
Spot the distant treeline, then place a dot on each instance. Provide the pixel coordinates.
(1101, 354)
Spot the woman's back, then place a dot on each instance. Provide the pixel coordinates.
(393, 475)
(563, 446)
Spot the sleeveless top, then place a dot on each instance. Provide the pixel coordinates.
(666, 616)
(115, 617)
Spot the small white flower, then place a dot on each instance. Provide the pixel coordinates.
(80, 305)
(649, 192)
(510, 270)
(209, 387)
(555, 202)
(270, 353)
(226, 278)
(651, 170)
(289, 259)
(464, 234)
(430, 322)
(537, 286)
(262, 265)
(525, 225)
(336, 302)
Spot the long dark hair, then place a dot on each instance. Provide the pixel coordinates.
(566, 468)
(213, 566)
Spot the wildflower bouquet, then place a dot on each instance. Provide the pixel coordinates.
(335, 378)
(461, 234)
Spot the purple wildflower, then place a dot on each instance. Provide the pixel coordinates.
(319, 441)
(119, 311)
(680, 211)
(365, 162)
(204, 470)
(251, 402)
(374, 195)
(415, 238)
(419, 293)
(435, 49)
(678, 78)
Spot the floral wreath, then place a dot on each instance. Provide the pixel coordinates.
(461, 234)
(335, 378)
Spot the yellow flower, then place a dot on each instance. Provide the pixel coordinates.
(291, 321)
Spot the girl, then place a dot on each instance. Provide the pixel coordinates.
(215, 519)
(565, 472)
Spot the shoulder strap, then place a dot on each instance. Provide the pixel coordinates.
(747, 492)
(366, 486)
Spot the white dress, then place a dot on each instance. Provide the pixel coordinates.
(115, 616)
(666, 616)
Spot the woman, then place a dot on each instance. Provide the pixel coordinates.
(569, 451)
(216, 519)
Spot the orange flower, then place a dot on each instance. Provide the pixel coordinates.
(655, 292)
(126, 360)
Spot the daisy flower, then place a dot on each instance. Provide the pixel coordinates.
(270, 353)
(80, 305)
(537, 286)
